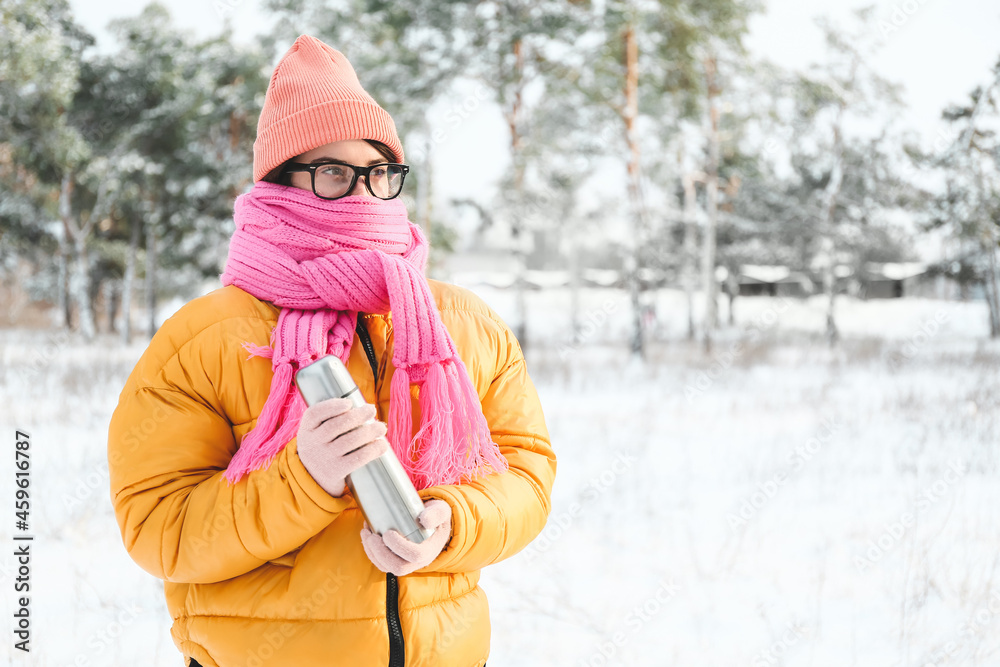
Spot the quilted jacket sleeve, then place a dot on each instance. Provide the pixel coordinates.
(170, 439)
(496, 516)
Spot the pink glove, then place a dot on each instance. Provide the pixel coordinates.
(334, 440)
(394, 553)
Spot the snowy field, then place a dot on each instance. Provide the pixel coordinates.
(773, 502)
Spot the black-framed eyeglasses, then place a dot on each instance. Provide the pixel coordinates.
(333, 180)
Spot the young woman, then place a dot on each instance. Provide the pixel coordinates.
(233, 492)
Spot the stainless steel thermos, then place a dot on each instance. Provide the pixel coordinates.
(384, 493)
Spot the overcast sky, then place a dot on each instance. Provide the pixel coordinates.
(939, 50)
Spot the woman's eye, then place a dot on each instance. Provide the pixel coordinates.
(333, 170)
(379, 172)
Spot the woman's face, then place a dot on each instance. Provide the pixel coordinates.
(352, 151)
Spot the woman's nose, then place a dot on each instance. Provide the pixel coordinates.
(360, 189)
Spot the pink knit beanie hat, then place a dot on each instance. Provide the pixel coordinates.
(315, 98)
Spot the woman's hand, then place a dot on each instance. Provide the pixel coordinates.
(335, 439)
(394, 553)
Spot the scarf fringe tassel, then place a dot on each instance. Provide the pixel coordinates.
(450, 411)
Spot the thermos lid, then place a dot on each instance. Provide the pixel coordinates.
(325, 377)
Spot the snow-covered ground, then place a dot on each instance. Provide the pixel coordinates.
(772, 502)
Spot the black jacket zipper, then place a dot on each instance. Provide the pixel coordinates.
(397, 649)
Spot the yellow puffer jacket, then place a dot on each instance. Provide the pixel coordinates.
(271, 571)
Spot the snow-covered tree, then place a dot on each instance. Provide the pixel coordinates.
(175, 120)
(97, 151)
(648, 65)
(844, 176)
(40, 51)
(969, 205)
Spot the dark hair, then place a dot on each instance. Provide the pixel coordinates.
(278, 175)
(385, 151)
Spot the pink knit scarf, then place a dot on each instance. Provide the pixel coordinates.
(322, 262)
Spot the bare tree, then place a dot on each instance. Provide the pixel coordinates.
(843, 86)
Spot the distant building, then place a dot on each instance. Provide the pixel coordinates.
(774, 280)
(495, 268)
(891, 280)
